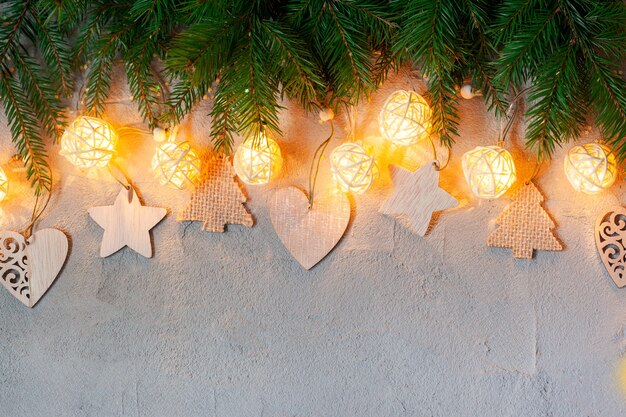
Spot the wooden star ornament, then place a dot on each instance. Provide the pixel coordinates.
(416, 197)
(127, 223)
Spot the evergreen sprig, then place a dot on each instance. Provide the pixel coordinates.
(34, 73)
(569, 52)
(247, 55)
(451, 41)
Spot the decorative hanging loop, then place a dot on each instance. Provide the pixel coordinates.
(325, 116)
(38, 209)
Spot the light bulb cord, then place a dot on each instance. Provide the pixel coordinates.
(504, 132)
(315, 165)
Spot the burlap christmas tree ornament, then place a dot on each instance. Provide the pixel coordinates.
(525, 226)
(218, 198)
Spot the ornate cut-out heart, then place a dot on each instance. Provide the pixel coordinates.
(28, 268)
(610, 235)
(309, 234)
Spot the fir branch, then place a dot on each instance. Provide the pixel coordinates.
(523, 53)
(223, 120)
(42, 94)
(98, 84)
(556, 113)
(25, 133)
(293, 65)
(144, 89)
(443, 97)
(55, 51)
(428, 37)
(183, 97)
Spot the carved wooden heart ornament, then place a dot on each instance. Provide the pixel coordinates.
(29, 267)
(610, 235)
(309, 234)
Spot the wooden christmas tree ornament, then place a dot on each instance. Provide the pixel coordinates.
(28, 267)
(309, 233)
(610, 235)
(416, 197)
(525, 225)
(127, 223)
(218, 199)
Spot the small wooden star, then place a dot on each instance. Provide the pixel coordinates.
(127, 223)
(417, 196)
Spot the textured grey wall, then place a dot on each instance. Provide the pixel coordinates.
(388, 325)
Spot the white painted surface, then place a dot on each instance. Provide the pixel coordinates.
(230, 325)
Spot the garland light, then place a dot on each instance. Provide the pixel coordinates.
(175, 164)
(405, 118)
(4, 185)
(352, 167)
(257, 161)
(89, 142)
(489, 171)
(590, 168)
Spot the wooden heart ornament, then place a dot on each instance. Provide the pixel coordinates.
(29, 267)
(309, 234)
(610, 233)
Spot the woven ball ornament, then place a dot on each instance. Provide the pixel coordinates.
(489, 171)
(405, 118)
(352, 167)
(4, 184)
(175, 164)
(89, 142)
(590, 168)
(257, 161)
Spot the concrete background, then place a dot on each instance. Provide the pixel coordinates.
(389, 324)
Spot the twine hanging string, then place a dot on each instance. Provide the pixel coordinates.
(126, 183)
(436, 164)
(315, 165)
(37, 212)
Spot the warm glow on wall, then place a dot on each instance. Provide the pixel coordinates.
(175, 164)
(4, 185)
(405, 118)
(352, 167)
(89, 142)
(257, 161)
(489, 171)
(590, 168)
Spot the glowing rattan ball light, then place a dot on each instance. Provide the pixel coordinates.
(489, 171)
(175, 164)
(4, 184)
(405, 118)
(257, 161)
(89, 142)
(352, 167)
(590, 168)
